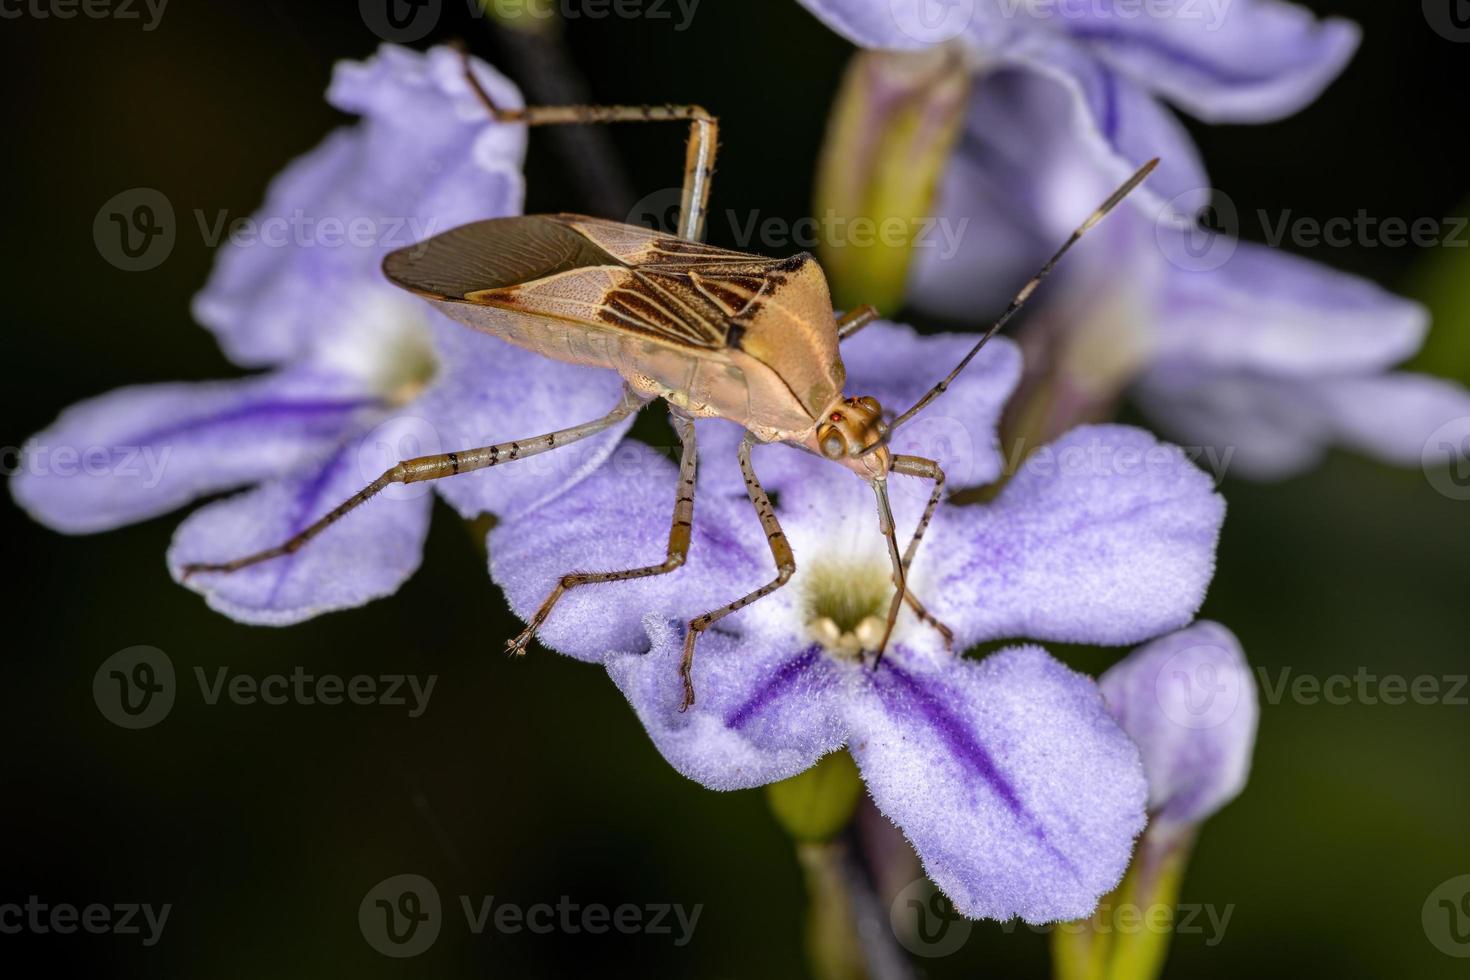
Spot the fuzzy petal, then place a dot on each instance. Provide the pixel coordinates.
(1188, 701)
(1020, 794)
(142, 451)
(489, 392)
(1043, 146)
(1268, 428)
(424, 159)
(1269, 311)
(1105, 536)
(763, 710)
(365, 556)
(618, 518)
(1234, 61)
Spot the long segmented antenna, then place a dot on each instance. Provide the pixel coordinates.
(1019, 301)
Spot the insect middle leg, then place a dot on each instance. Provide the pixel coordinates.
(699, 154)
(780, 552)
(679, 537)
(433, 468)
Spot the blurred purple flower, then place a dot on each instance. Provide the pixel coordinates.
(1017, 790)
(1188, 701)
(357, 372)
(1220, 60)
(1267, 357)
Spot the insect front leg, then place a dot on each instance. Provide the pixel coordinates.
(852, 321)
(780, 551)
(680, 531)
(699, 154)
(929, 469)
(432, 468)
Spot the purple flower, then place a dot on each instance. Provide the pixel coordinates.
(1220, 60)
(1188, 701)
(1267, 357)
(356, 373)
(1016, 788)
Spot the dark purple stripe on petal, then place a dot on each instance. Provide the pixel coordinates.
(775, 685)
(257, 412)
(964, 747)
(308, 497)
(961, 741)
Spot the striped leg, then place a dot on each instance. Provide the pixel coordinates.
(433, 468)
(699, 155)
(929, 469)
(852, 321)
(780, 551)
(678, 550)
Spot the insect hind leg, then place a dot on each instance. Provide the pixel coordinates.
(680, 532)
(699, 153)
(424, 468)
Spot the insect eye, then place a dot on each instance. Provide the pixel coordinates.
(871, 404)
(832, 443)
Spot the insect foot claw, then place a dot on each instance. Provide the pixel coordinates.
(516, 646)
(686, 670)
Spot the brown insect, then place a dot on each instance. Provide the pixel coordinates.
(715, 333)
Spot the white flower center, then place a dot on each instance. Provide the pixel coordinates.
(845, 604)
(388, 345)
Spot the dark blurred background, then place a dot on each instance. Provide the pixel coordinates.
(529, 780)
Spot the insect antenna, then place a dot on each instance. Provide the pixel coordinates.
(1018, 302)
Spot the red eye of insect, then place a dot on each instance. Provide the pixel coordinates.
(836, 416)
